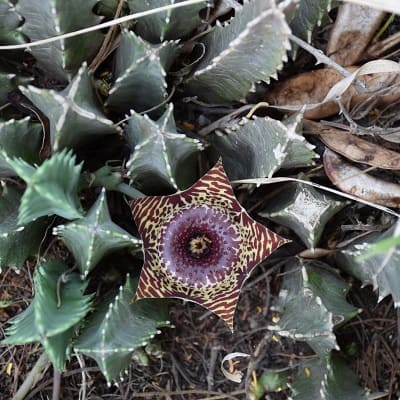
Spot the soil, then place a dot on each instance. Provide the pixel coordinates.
(187, 362)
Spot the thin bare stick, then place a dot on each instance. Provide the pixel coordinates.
(220, 123)
(320, 56)
(56, 384)
(377, 49)
(84, 371)
(100, 26)
(210, 394)
(398, 333)
(256, 358)
(33, 377)
(211, 370)
(106, 47)
(267, 181)
(255, 108)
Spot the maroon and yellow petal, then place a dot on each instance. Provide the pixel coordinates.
(200, 244)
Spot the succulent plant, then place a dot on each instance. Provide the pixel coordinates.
(311, 303)
(47, 18)
(10, 20)
(308, 15)
(58, 306)
(158, 152)
(258, 147)
(52, 188)
(379, 270)
(140, 72)
(259, 29)
(169, 24)
(305, 210)
(17, 242)
(74, 113)
(96, 155)
(92, 237)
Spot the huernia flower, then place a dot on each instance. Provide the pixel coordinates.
(200, 244)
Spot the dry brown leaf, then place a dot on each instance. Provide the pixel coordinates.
(355, 148)
(358, 183)
(360, 150)
(354, 28)
(311, 88)
(307, 88)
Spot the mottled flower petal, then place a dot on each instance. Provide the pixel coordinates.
(200, 244)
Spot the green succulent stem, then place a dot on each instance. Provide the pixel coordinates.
(106, 176)
(129, 191)
(110, 178)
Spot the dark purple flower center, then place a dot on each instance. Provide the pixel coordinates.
(200, 245)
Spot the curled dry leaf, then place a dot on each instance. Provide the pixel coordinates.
(355, 148)
(356, 182)
(354, 28)
(235, 375)
(312, 88)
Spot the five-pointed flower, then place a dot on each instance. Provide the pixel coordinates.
(200, 244)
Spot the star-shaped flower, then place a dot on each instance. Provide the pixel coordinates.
(200, 244)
